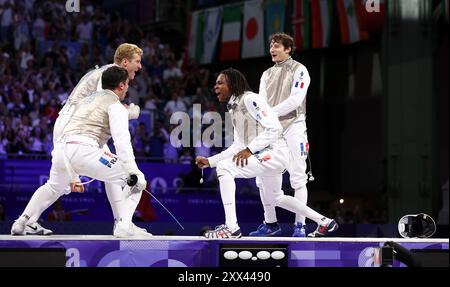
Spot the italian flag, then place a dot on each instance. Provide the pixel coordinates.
(321, 23)
(300, 23)
(231, 33)
(349, 26)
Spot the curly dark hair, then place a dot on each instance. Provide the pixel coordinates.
(285, 40)
(236, 81)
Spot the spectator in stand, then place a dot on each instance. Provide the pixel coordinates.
(3, 145)
(6, 21)
(36, 143)
(84, 30)
(157, 141)
(170, 151)
(140, 140)
(172, 71)
(176, 104)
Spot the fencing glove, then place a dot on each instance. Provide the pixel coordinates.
(133, 111)
(136, 180)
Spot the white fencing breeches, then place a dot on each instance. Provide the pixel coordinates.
(114, 192)
(102, 165)
(297, 141)
(89, 161)
(266, 163)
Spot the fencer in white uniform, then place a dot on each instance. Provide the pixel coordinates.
(95, 119)
(258, 150)
(285, 86)
(127, 56)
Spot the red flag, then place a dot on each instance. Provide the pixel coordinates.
(321, 19)
(301, 23)
(371, 17)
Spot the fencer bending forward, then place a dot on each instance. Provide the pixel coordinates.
(95, 119)
(127, 56)
(258, 150)
(285, 86)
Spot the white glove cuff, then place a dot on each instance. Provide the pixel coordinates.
(133, 111)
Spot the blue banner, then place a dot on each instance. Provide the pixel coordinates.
(274, 20)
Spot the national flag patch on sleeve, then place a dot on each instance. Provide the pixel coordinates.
(302, 84)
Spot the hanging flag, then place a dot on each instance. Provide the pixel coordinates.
(253, 30)
(301, 23)
(348, 20)
(196, 35)
(274, 19)
(371, 17)
(213, 23)
(321, 11)
(231, 33)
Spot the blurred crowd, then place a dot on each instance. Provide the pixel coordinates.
(44, 52)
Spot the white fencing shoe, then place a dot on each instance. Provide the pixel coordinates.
(37, 229)
(126, 230)
(223, 231)
(140, 232)
(18, 227)
(123, 230)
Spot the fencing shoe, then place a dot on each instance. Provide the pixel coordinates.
(140, 232)
(223, 231)
(128, 229)
(18, 227)
(266, 230)
(299, 230)
(37, 229)
(324, 230)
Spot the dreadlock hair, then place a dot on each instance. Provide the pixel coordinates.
(236, 82)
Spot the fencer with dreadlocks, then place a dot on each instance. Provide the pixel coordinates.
(127, 56)
(258, 149)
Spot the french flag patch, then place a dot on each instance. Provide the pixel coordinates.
(302, 84)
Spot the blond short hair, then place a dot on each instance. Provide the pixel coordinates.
(126, 51)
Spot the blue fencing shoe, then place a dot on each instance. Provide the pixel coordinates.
(299, 230)
(266, 230)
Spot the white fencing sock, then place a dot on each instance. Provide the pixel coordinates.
(131, 202)
(42, 198)
(117, 200)
(302, 195)
(227, 192)
(292, 204)
(268, 202)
